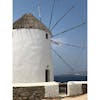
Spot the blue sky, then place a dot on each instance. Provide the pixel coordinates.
(76, 57)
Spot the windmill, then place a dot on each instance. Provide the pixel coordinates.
(54, 40)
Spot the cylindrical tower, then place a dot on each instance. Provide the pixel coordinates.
(32, 60)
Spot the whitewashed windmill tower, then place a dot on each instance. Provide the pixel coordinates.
(31, 51)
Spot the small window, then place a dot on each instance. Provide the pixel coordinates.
(46, 35)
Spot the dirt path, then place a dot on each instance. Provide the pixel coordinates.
(81, 97)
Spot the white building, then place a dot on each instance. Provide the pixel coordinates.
(31, 51)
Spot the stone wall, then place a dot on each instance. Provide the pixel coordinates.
(28, 93)
(84, 88)
(52, 90)
(35, 91)
(38, 91)
(75, 88)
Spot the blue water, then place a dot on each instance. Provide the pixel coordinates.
(66, 78)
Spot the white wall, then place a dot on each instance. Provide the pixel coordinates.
(52, 89)
(31, 55)
(74, 88)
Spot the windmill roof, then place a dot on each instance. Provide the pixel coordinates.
(29, 21)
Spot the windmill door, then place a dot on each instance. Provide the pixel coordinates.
(47, 75)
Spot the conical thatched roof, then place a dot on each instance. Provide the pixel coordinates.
(29, 21)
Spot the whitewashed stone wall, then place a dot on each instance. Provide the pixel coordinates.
(31, 91)
(52, 90)
(75, 88)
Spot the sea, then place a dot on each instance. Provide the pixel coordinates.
(66, 78)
